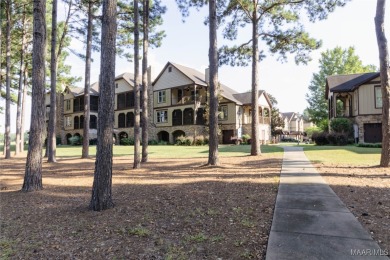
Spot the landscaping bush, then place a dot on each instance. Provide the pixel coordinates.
(153, 142)
(370, 145)
(127, 141)
(181, 140)
(337, 138)
(75, 140)
(320, 138)
(341, 125)
(245, 138)
(289, 140)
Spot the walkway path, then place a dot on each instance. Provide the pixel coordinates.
(310, 221)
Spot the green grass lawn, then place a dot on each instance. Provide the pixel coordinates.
(346, 155)
(170, 151)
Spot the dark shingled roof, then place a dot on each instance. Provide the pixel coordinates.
(348, 83)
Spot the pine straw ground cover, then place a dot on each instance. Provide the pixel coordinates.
(169, 209)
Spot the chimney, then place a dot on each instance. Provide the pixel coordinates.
(207, 75)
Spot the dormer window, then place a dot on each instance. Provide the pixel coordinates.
(169, 69)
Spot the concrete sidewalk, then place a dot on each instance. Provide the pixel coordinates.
(310, 221)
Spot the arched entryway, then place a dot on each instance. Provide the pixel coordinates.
(122, 135)
(177, 134)
(163, 136)
(68, 136)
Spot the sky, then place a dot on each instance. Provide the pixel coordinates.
(187, 44)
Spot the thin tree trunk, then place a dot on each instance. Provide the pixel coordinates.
(20, 89)
(51, 137)
(85, 152)
(255, 141)
(24, 104)
(145, 83)
(7, 136)
(213, 60)
(102, 182)
(137, 159)
(33, 173)
(385, 74)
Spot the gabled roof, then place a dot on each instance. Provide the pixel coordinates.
(348, 83)
(129, 77)
(288, 115)
(246, 98)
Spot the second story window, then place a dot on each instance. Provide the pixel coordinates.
(68, 121)
(67, 105)
(194, 95)
(125, 100)
(378, 97)
(161, 98)
(78, 104)
(162, 116)
(223, 112)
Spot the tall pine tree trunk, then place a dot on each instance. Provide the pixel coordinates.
(19, 134)
(145, 83)
(7, 136)
(102, 182)
(385, 73)
(24, 104)
(213, 60)
(51, 137)
(33, 173)
(85, 152)
(255, 141)
(137, 159)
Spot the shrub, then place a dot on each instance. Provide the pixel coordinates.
(320, 138)
(341, 125)
(162, 143)
(93, 141)
(153, 142)
(127, 141)
(311, 130)
(289, 139)
(370, 145)
(180, 140)
(337, 138)
(75, 140)
(245, 138)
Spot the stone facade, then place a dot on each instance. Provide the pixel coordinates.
(367, 119)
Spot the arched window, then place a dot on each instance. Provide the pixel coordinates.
(188, 117)
(130, 119)
(200, 116)
(177, 117)
(81, 122)
(93, 122)
(121, 120)
(76, 122)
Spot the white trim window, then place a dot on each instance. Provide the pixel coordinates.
(223, 113)
(161, 97)
(162, 116)
(378, 97)
(67, 105)
(68, 121)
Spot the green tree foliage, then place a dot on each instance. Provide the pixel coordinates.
(277, 121)
(332, 62)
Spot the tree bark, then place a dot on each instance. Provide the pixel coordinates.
(24, 106)
(145, 83)
(385, 86)
(137, 159)
(85, 152)
(213, 60)
(7, 136)
(19, 135)
(33, 173)
(255, 141)
(51, 137)
(102, 183)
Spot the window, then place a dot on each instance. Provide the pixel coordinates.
(121, 120)
(121, 101)
(94, 103)
(67, 105)
(200, 116)
(76, 122)
(130, 119)
(378, 97)
(68, 121)
(78, 104)
(223, 113)
(177, 117)
(188, 116)
(125, 100)
(169, 69)
(81, 122)
(92, 122)
(161, 97)
(162, 116)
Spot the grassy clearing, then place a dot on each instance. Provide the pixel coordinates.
(345, 155)
(170, 151)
